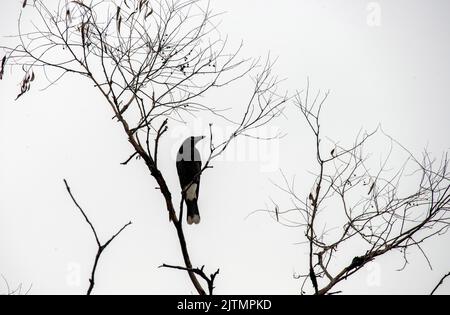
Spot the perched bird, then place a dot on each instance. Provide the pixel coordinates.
(189, 167)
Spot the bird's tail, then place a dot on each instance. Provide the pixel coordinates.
(193, 215)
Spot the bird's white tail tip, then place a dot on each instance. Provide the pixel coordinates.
(193, 219)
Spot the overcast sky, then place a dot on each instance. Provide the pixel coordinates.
(384, 62)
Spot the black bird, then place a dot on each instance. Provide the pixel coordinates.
(189, 167)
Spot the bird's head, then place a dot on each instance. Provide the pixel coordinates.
(190, 143)
(187, 150)
(194, 140)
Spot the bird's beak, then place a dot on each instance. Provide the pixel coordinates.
(200, 138)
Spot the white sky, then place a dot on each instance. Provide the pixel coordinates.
(396, 74)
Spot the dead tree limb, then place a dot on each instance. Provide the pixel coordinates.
(440, 283)
(15, 291)
(200, 272)
(101, 247)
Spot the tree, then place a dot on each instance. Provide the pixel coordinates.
(357, 200)
(152, 62)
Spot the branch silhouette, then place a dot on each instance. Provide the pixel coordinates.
(440, 283)
(101, 247)
(200, 272)
(15, 291)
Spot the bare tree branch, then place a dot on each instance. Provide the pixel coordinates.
(200, 272)
(101, 247)
(16, 291)
(441, 282)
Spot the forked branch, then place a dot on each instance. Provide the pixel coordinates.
(101, 247)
